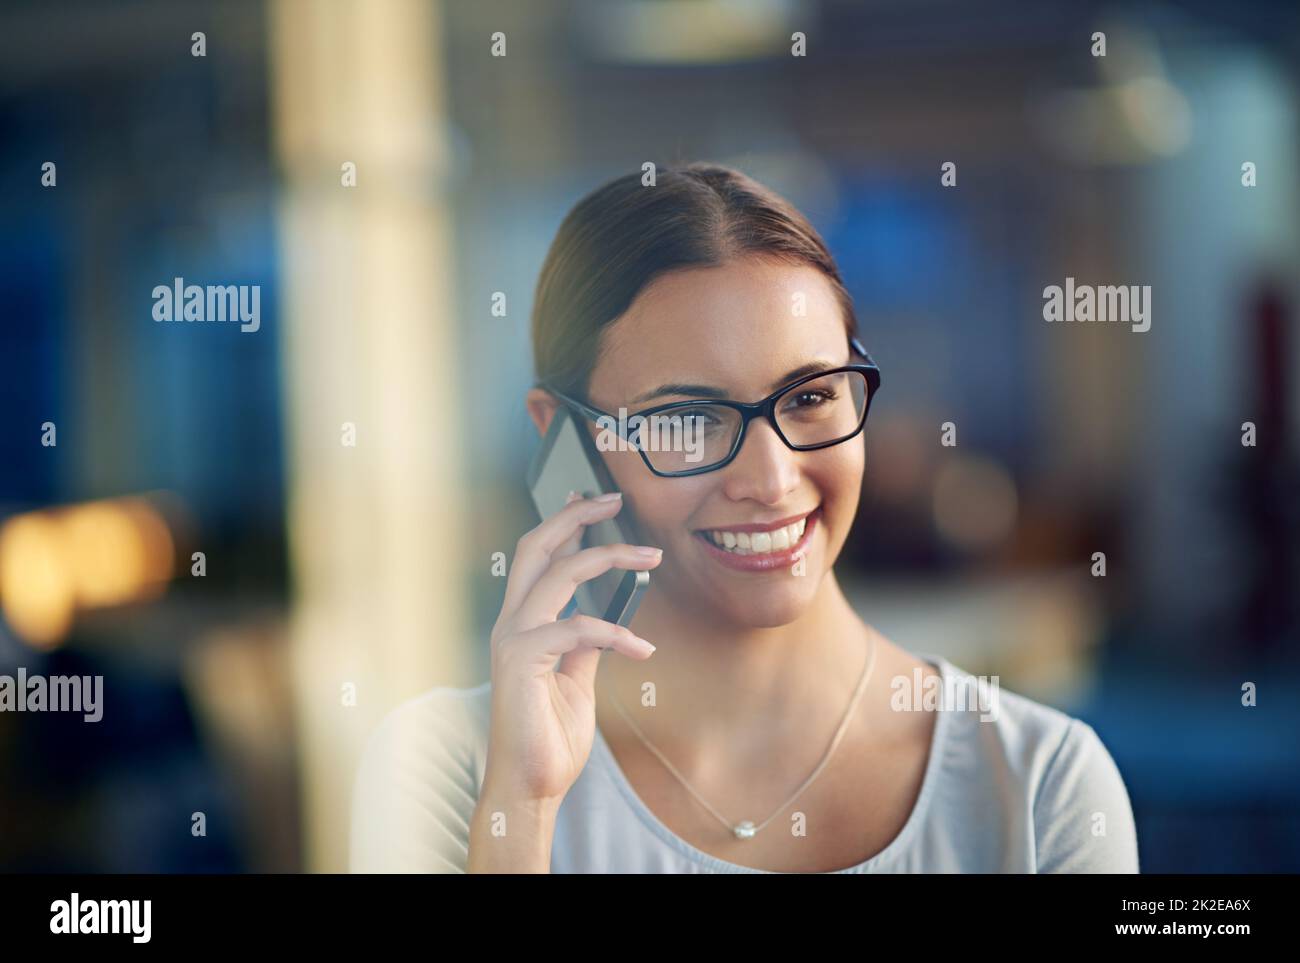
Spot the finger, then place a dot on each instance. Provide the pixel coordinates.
(581, 664)
(537, 650)
(553, 590)
(536, 548)
(575, 542)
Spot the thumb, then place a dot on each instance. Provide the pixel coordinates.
(580, 665)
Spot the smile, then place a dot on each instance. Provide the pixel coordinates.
(760, 546)
(758, 543)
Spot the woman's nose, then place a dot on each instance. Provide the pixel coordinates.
(764, 470)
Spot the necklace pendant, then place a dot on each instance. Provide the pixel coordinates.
(745, 830)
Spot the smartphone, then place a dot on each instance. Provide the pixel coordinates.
(568, 461)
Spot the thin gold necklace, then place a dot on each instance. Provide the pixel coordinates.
(746, 829)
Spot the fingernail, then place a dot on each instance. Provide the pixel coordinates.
(608, 497)
(649, 550)
(572, 497)
(645, 643)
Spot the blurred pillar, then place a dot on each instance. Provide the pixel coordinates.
(368, 340)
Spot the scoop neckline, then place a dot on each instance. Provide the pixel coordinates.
(938, 741)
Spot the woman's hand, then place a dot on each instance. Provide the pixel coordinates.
(544, 714)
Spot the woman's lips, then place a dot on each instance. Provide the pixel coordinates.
(765, 526)
(781, 558)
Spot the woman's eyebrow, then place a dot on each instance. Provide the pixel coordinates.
(708, 391)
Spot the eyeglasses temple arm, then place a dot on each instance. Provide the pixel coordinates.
(860, 348)
(593, 414)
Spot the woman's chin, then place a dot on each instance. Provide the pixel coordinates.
(769, 608)
(754, 600)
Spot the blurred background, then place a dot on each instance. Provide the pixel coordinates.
(265, 540)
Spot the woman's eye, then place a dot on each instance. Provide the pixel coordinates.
(703, 419)
(811, 399)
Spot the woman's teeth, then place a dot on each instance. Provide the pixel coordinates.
(759, 543)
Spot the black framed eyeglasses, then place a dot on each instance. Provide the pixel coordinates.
(693, 437)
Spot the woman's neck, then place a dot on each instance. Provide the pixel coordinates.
(739, 686)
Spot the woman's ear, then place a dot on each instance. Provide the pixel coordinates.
(541, 407)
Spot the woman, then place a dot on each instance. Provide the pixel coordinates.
(748, 720)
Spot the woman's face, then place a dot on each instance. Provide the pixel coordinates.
(733, 328)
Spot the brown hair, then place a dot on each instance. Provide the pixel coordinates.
(622, 236)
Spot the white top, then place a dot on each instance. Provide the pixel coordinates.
(1031, 791)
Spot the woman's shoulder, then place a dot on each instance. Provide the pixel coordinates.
(446, 716)
(1068, 780)
(418, 781)
(1027, 731)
